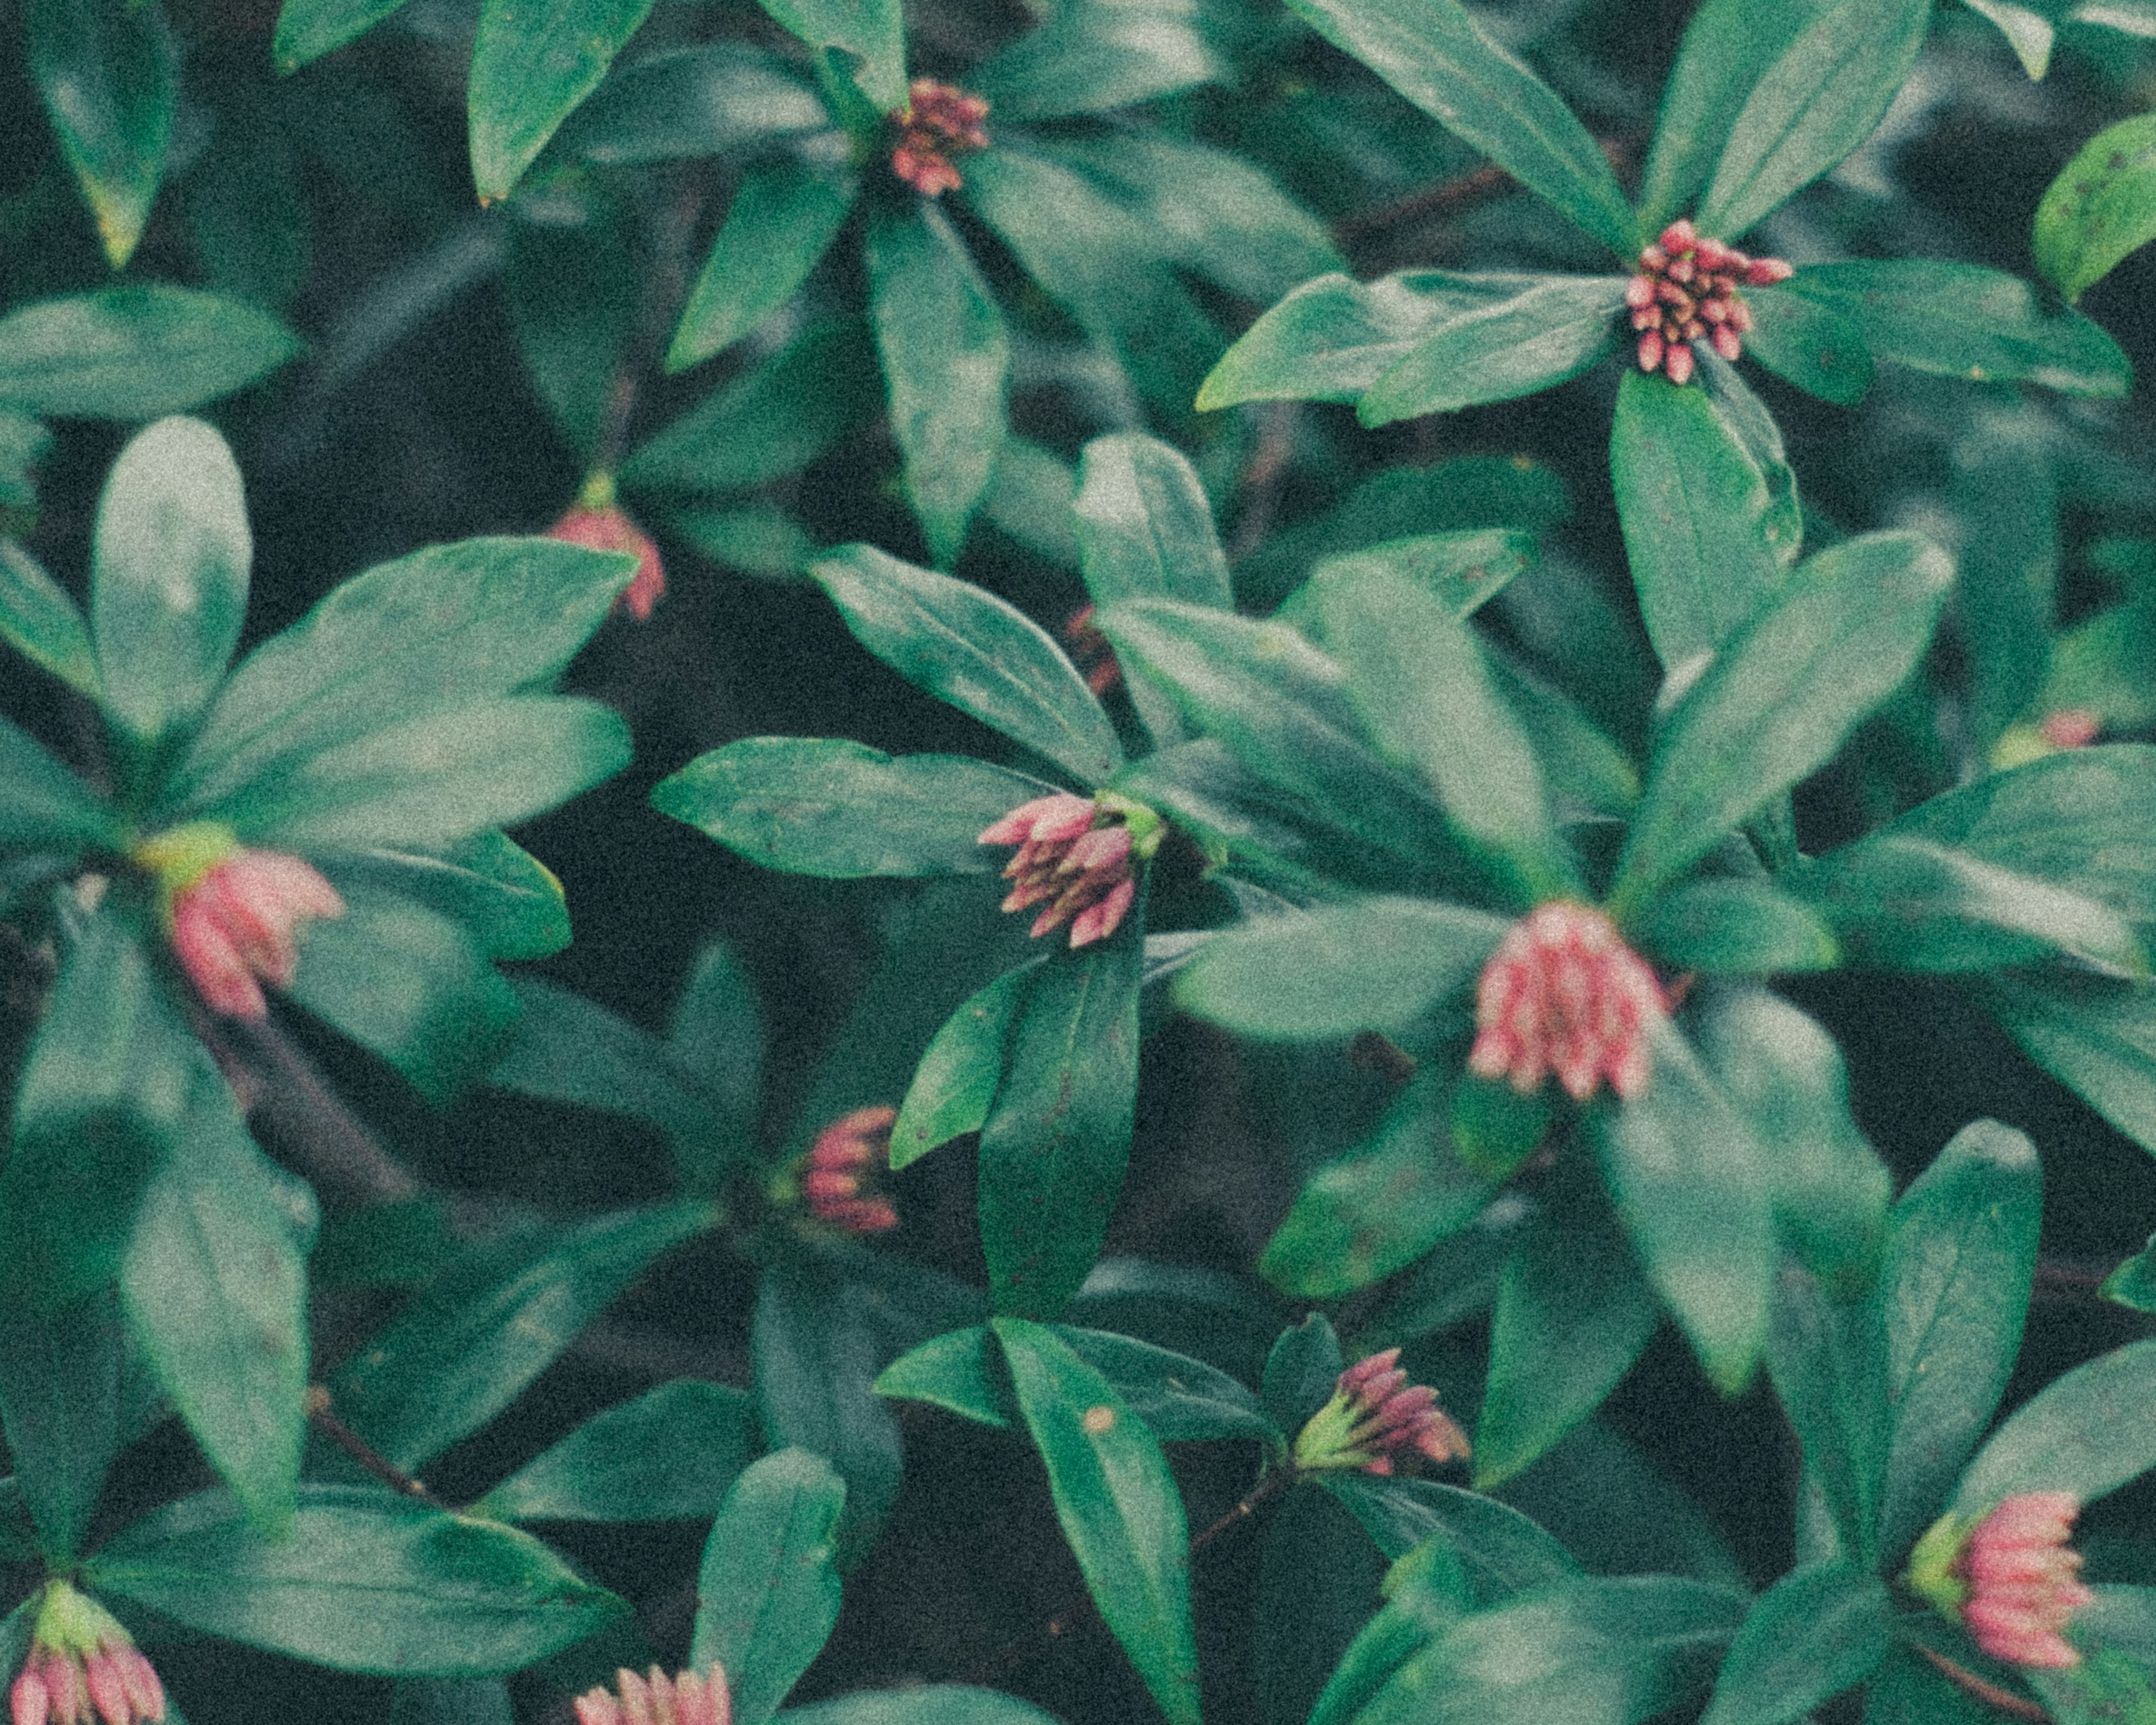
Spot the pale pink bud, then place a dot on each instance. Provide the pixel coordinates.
(687, 1699)
(1564, 993)
(2022, 1580)
(1061, 816)
(847, 1154)
(1680, 236)
(239, 922)
(1726, 343)
(1678, 363)
(82, 1667)
(937, 122)
(28, 1703)
(1078, 859)
(1097, 921)
(610, 529)
(1651, 350)
(1639, 292)
(2070, 727)
(1764, 272)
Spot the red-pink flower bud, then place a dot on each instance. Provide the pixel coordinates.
(1686, 292)
(1374, 1414)
(1078, 857)
(2024, 1581)
(1651, 350)
(1678, 363)
(1726, 343)
(1765, 272)
(937, 122)
(688, 1698)
(234, 914)
(1564, 993)
(608, 528)
(1091, 648)
(83, 1666)
(2070, 727)
(1680, 236)
(847, 1155)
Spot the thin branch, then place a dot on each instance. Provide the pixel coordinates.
(1457, 192)
(353, 1445)
(1990, 1694)
(307, 1117)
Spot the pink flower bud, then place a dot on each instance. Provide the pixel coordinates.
(1651, 350)
(1092, 652)
(1686, 292)
(1678, 363)
(2070, 727)
(1764, 272)
(1078, 859)
(2023, 1580)
(847, 1155)
(937, 122)
(235, 924)
(1726, 343)
(1680, 236)
(1564, 993)
(83, 1666)
(610, 528)
(1639, 292)
(687, 1699)
(1374, 1414)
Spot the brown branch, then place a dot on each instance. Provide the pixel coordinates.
(1457, 192)
(1990, 1694)
(353, 1445)
(307, 1117)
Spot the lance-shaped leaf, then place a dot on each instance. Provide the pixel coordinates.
(2029, 32)
(1817, 1632)
(1821, 98)
(1777, 701)
(1119, 1506)
(1436, 56)
(1960, 1258)
(530, 68)
(1694, 1187)
(705, 100)
(308, 30)
(2087, 1433)
(1963, 321)
(168, 582)
(2094, 1035)
(1459, 570)
(960, 1072)
(767, 1595)
(366, 1581)
(40, 620)
(1725, 926)
(1092, 54)
(931, 1704)
(669, 1456)
(946, 362)
(1829, 1362)
(44, 806)
(2005, 492)
(781, 221)
(1302, 1370)
(60, 1400)
(1318, 1582)
(108, 74)
(871, 31)
(1554, 328)
(1808, 343)
(1503, 1552)
(135, 353)
(1054, 1147)
(840, 810)
(1422, 1600)
(2101, 207)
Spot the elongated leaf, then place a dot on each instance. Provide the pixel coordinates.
(366, 1581)
(1459, 570)
(39, 620)
(1808, 343)
(1424, 1597)
(60, 1402)
(531, 66)
(1830, 1360)
(1145, 529)
(976, 651)
(2006, 491)
(703, 100)
(2101, 207)
(44, 806)
(781, 221)
(135, 353)
(463, 1351)
(946, 361)
(1959, 1260)
(2087, 1433)
(1736, 927)
(1553, 329)
(1767, 711)
(108, 74)
(2094, 1035)
(1436, 57)
(1092, 54)
(1119, 1507)
(871, 31)
(308, 30)
(1318, 1582)
(931, 1704)
(1818, 101)
(841, 811)
(1054, 1147)
(1302, 1370)
(768, 1596)
(955, 1085)
(168, 585)
(669, 1456)
(1817, 1632)
(1502, 1552)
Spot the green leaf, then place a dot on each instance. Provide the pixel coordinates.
(1054, 1146)
(108, 72)
(444, 627)
(931, 1704)
(946, 362)
(1461, 571)
(2132, 1285)
(706, 100)
(1817, 1632)
(1425, 1595)
(1332, 339)
(1960, 1257)
(1436, 56)
(1573, 1313)
(669, 1456)
(1808, 343)
(1769, 711)
(308, 30)
(872, 31)
(366, 1581)
(2004, 490)
(1725, 926)
(1364, 1215)
(1695, 1189)
(1823, 94)
(1727, 47)
(1119, 1507)
(1374, 964)
(530, 68)
(2094, 1035)
(168, 582)
(1613, 1652)
(2101, 207)
(1317, 1583)
(134, 352)
(2087, 1433)
(953, 1372)
(1180, 1399)
(1502, 1552)
(839, 810)
(2029, 33)
(768, 1596)
(976, 651)
(1301, 1373)
(44, 806)
(39, 620)
(955, 1085)
(60, 1402)
(25, 441)
(781, 221)
(1830, 1363)
(462, 1352)
(1585, 767)
(1702, 530)
(1551, 329)
(1095, 55)
(1962, 320)
(1416, 674)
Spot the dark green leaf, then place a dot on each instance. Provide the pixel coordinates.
(2094, 1035)
(1119, 1507)
(2101, 207)
(25, 441)
(955, 1085)
(976, 651)
(1180, 1399)
(704, 100)
(1302, 1369)
(1823, 96)
(168, 582)
(1092, 54)
(1437, 57)
(2005, 492)
(1426, 1593)
(933, 1704)
(1808, 343)
(467, 1345)
(768, 1596)
(1459, 570)
(1553, 328)
(1729, 926)
(2132, 1285)
(2087, 1433)
(1317, 1585)
(955, 1373)
(1817, 1632)
(108, 72)
(1502, 1552)
(505, 898)
(1766, 713)
(872, 31)
(366, 1581)
(841, 810)
(669, 1456)
(781, 221)
(572, 286)
(135, 353)
(308, 30)
(41, 621)
(946, 364)
(44, 806)
(60, 1399)
(530, 68)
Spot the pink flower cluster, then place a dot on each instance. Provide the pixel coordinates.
(608, 528)
(938, 121)
(689, 1699)
(237, 926)
(2024, 1581)
(1686, 292)
(1075, 858)
(846, 1155)
(83, 1666)
(1375, 1413)
(1564, 993)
